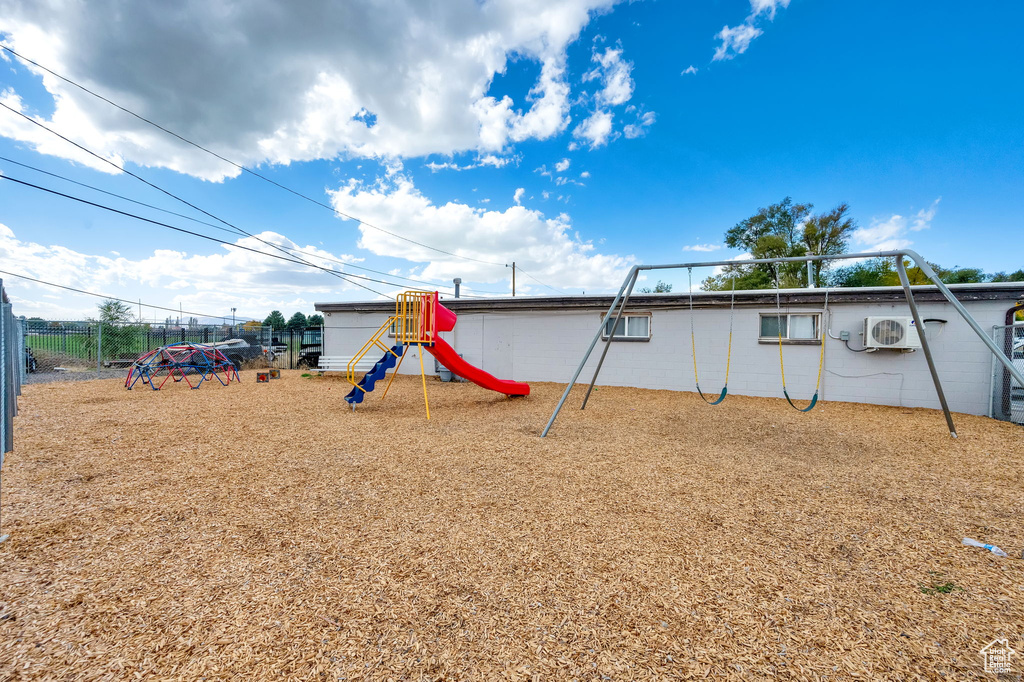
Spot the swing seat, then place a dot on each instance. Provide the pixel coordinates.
(814, 401)
(721, 397)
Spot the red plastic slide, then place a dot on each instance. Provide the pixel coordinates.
(450, 359)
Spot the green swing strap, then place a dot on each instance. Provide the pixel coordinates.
(693, 343)
(821, 356)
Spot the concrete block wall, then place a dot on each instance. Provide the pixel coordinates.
(547, 346)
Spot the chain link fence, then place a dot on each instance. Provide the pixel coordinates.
(1007, 393)
(70, 350)
(11, 375)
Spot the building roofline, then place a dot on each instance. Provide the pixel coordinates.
(989, 291)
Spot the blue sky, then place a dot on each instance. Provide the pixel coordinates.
(576, 137)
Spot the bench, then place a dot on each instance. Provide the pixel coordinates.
(339, 363)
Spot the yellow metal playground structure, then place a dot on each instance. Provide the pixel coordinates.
(418, 321)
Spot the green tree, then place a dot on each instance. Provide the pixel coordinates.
(112, 310)
(1017, 276)
(275, 320)
(659, 288)
(827, 234)
(877, 272)
(783, 230)
(315, 320)
(120, 338)
(880, 272)
(297, 321)
(960, 275)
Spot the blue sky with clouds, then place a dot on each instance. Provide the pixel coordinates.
(575, 137)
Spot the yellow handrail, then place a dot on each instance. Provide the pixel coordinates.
(350, 374)
(413, 319)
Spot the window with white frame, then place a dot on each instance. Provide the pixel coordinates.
(792, 327)
(631, 327)
(410, 320)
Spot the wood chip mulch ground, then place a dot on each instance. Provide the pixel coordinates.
(266, 532)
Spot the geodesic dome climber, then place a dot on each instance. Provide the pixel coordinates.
(180, 361)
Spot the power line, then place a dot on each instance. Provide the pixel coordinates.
(194, 234)
(540, 282)
(111, 298)
(170, 194)
(237, 165)
(216, 227)
(203, 236)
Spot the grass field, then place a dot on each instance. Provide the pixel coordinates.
(265, 531)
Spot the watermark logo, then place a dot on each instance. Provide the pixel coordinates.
(997, 655)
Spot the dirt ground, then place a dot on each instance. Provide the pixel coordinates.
(265, 531)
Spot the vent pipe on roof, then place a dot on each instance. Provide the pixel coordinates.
(458, 282)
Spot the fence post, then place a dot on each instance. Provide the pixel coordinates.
(99, 348)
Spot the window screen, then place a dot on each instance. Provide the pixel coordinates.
(802, 327)
(629, 327)
(770, 325)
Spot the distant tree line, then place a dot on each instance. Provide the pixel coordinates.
(791, 230)
(276, 321)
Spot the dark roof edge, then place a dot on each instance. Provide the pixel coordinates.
(1000, 291)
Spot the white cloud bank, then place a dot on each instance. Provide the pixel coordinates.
(281, 83)
(210, 284)
(547, 248)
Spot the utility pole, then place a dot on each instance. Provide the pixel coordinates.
(232, 317)
(513, 277)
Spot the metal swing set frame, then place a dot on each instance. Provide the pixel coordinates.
(621, 300)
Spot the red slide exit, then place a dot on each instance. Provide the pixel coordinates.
(450, 359)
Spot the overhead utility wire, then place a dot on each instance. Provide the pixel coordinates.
(203, 222)
(200, 235)
(241, 167)
(194, 234)
(111, 298)
(539, 282)
(161, 189)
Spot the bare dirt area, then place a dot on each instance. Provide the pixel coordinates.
(265, 531)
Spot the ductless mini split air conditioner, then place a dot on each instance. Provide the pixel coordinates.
(899, 333)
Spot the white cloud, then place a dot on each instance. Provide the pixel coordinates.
(702, 247)
(890, 234)
(595, 129)
(691, 69)
(210, 284)
(924, 217)
(615, 76)
(758, 7)
(638, 129)
(544, 246)
(562, 165)
(358, 79)
(585, 174)
(486, 160)
(518, 196)
(735, 40)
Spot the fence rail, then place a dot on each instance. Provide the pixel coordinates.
(62, 350)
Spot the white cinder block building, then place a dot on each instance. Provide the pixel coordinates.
(544, 338)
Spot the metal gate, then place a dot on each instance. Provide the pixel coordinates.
(1007, 394)
(297, 348)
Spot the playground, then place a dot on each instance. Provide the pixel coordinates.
(267, 531)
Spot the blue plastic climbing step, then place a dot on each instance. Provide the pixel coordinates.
(378, 372)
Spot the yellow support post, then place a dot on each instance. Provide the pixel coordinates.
(423, 376)
(394, 374)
